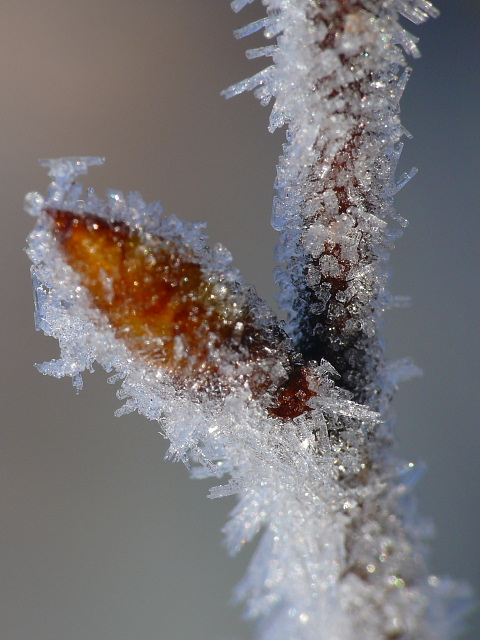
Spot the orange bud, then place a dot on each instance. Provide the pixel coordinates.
(153, 291)
(176, 314)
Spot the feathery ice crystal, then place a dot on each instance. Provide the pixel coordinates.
(295, 421)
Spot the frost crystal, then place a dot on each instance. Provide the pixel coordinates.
(294, 423)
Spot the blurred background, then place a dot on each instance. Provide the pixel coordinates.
(101, 539)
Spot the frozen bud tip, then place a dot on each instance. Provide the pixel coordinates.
(153, 291)
(177, 314)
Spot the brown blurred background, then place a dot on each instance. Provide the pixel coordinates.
(100, 538)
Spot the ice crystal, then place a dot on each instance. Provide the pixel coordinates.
(295, 423)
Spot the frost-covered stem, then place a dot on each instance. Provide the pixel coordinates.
(298, 423)
(340, 181)
(338, 74)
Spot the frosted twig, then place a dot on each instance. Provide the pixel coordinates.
(294, 422)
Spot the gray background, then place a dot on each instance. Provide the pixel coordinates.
(101, 539)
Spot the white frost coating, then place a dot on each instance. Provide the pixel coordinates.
(340, 553)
